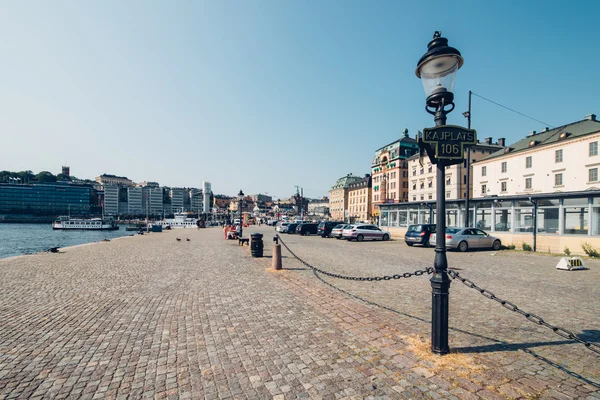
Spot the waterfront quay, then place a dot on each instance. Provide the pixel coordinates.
(152, 317)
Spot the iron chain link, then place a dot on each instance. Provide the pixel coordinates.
(359, 278)
(530, 317)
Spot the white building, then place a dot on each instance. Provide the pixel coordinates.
(563, 159)
(152, 200)
(206, 193)
(422, 179)
(111, 199)
(176, 196)
(134, 201)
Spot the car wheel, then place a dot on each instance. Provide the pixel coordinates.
(360, 238)
(496, 245)
(385, 237)
(463, 246)
(409, 244)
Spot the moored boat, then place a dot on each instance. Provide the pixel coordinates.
(181, 220)
(91, 224)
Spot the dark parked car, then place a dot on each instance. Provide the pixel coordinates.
(419, 234)
(292, 227)
(307, 229)
(324, 228)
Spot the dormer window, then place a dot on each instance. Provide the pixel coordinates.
(533, 143)
(564, 135)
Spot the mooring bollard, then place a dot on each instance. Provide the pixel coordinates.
(276, 263)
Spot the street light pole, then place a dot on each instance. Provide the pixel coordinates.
(437, 71)
(240, 200)
(467, 197)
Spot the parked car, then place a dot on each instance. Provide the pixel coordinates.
(419, 234)
(291, 228)
(362, 232)
(307, 229)
(282, 227)
(324, 228)
(336, 231)
(464, 239)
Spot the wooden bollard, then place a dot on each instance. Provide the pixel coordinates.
(276, 263)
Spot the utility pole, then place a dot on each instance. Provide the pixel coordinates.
(468, 195)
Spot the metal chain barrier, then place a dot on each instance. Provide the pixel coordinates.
(359, 278)
(562, 332)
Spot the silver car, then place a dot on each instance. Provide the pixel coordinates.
(360, 232)
(336, 232)
(464, 239)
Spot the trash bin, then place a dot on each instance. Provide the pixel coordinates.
(256, 245)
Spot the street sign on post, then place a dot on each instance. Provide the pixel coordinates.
(449, 141)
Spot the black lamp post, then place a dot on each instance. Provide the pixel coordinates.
(240, 200)
(430, 211)
(437, 71)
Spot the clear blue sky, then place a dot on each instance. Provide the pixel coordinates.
(266, 95)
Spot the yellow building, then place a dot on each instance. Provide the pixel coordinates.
(338, 197)
(359, 200)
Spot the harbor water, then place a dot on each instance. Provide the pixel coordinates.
(17, 239)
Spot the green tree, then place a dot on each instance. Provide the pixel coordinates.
(63, 177)
(26, 176)
(45, 176)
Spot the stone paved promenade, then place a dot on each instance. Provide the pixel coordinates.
(149, 317)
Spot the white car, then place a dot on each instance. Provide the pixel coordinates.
(282, 227)
(362, 232)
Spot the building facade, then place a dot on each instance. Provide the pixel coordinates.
(359, 200)
(152, 201)
(422, 179)
(389, 171)
(107, 179)
(50, 199)
(134, 201)
(111, 199)
(206, 195)
(562, 159)
(338, 197)
(261, 198)
(319, 207)
(176, 195)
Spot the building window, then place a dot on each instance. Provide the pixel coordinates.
(414, 198)
(422, 197)
(430, 184)
(558, 156)
(593, 149)
(504, 168)
(429, 196)
(503, 187)
(558, 180)
(422, 185)
(527, 183)
(483, 189)
(422, 171)
(430, 168)
(593, 175)
(447, 195)
(483, 171)
(414, 186)
(528, 162)
(447, 181)
(414, 172)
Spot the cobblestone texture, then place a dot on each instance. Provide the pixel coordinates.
(150, 317)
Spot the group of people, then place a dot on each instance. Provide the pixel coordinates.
(231, 231)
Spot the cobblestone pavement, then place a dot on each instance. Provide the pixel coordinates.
(152, 317)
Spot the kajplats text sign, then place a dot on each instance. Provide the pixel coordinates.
(449, 141)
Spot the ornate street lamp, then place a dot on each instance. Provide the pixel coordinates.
(240, 200)
(437, 70)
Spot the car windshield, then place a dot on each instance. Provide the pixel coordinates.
(452, 230)
(415, 228)
(338, 226)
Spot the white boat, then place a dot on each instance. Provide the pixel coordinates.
(91, 224)
(181, 220)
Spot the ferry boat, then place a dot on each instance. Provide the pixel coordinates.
(92, 224)
(181, 220)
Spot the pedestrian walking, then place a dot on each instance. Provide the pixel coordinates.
(225, 231)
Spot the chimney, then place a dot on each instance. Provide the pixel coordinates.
(546, 129)
(501, 141)
(367, 175)
(590, 117)
(531, 133)
(488, 140)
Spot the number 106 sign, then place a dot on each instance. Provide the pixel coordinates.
(449, 141)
